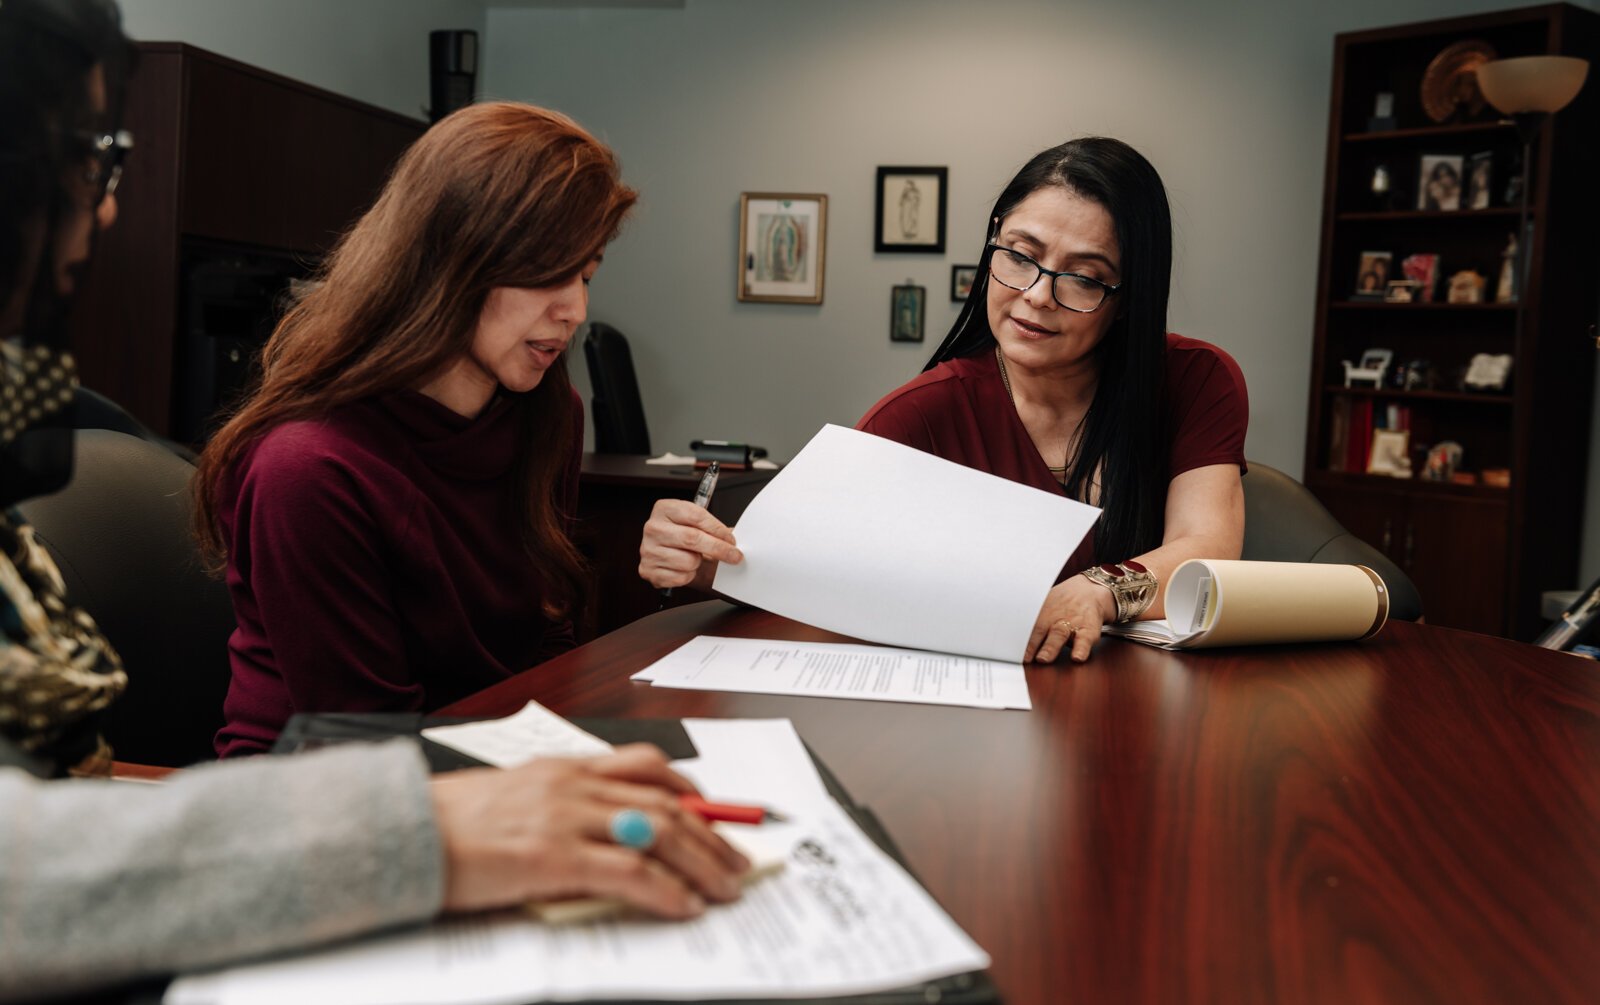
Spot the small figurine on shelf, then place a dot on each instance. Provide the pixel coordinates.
(1505, 291)
(1443, 460)
(1466, 287)
(1370, 374)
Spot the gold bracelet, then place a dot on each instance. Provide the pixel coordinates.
(1132, 586)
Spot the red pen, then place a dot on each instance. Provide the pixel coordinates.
(732, 813)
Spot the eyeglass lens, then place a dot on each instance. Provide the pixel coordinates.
(1018, 271)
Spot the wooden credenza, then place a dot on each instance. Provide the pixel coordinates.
(231, 163)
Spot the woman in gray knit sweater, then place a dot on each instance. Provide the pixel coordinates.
(103, 882)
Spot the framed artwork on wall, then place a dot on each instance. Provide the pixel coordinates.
(906, 308)
(782, 237)
(961, 280)
(911, 202)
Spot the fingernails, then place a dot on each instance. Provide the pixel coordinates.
(696, 904)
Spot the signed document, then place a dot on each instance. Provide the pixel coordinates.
(880, 541)
(841, 918)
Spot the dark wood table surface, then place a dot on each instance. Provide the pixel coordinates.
(1411, 819)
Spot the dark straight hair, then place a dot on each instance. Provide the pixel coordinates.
(1121, 434)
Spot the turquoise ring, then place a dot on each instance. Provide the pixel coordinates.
(632, 829)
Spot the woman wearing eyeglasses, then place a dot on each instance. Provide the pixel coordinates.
(1060, 373)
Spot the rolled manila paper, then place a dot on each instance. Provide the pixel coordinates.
(1260, 603)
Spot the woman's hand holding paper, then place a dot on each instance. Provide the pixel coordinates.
(682, 545)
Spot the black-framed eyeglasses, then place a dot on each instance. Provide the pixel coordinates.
(1072, 291)
(106, 152)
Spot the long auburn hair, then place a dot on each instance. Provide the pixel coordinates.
(1121, 433)
(497, 194)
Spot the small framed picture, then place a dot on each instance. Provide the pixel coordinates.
(782, 237)
(1372, 275)
(911, 203)
(1480, 175)
(961, 280)
(906, 305)
(1439, 182)
(1391, 453)
(1422, 269)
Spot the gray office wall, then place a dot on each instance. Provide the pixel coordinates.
(709, 98)
(1229, 101)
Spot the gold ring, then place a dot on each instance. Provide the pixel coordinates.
(1072, 629)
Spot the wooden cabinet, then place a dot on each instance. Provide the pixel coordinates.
(1452, 542)
(1480, 554)
(234, 170)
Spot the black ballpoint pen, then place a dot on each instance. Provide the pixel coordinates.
(702, 499)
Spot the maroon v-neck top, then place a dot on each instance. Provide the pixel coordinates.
(960, 411)
(374, 565)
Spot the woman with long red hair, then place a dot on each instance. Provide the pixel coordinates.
(392, 503)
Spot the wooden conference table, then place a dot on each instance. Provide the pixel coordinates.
(1415, 818)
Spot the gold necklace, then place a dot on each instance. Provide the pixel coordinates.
(1005, 378)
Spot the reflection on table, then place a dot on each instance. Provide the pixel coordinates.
(1414, 818)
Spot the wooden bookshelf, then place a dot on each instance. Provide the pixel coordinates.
(1480, 555)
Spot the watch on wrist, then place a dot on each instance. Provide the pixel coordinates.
(1132, 586)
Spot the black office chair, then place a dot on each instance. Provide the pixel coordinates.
(619, 426)
(1284, 522)
(120, 531)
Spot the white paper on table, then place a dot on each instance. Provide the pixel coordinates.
(874, 539)
(525, 736)
(670, 459)
(839, 670)
(842, 918)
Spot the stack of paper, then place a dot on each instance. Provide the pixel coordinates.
(842, 918)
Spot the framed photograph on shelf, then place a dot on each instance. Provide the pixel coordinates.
(782, 237)
(911, 203)
(1480, 175)
(1391, 453)
(961, 279)
(1423, 270)
(1372, 275)
(1439, 182)
(906, 308)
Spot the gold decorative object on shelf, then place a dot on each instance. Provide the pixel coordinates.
(1450, 83)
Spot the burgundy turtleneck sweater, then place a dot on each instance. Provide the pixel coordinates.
(374, 565)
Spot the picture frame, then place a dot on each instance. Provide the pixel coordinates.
(1372, 275)
(907, 307)
(911, 210)
(1422, 269)
(1439, 182)
(783, 238)
(1390, 454)
(961, 279)
(1480, 176)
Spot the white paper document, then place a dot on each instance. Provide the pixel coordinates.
(874, 539)
(517, 739)
(842, 918)
(839, 670)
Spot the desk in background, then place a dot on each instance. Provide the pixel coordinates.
(615, 496)
(1415, 818)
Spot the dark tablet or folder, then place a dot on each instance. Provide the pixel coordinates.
(307, 732)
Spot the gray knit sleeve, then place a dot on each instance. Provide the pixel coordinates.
(102, 881)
